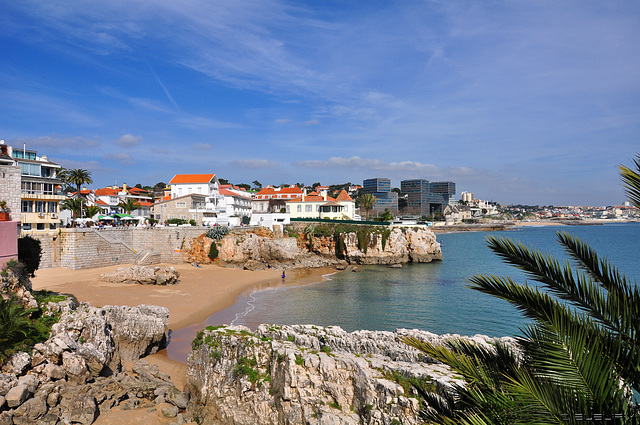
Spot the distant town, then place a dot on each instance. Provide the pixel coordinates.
(42, 196)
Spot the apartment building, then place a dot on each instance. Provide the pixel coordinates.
(40, 190)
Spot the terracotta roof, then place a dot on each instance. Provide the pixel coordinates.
(101, 202)
(107, 191)
(145, 204)
(343, 196)
(137, 189)
(192, 178)
(288, 190)
(313, 198)
(230, 193)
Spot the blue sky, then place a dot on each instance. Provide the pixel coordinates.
(532, 102)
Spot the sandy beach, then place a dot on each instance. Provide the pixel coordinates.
(200, 293)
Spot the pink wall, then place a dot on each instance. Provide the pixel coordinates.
(8, 241)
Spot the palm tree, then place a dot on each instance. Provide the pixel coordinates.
(14, 324)
(129, 205)
(72, 204)
(367, 201)
(91, 211)
(581, 355)
(77, 177)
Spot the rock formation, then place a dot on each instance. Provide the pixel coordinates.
(309, 375)
(78, 372)
(378, 246)
(143, 275)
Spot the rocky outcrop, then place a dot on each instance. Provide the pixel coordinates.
(378, 246)
(78, 372)
(310, 375)
(142, 275)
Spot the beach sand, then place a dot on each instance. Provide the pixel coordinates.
(200, 293)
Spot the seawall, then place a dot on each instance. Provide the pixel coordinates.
(80, 248)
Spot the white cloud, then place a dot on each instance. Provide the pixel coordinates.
(128, 140)
(253, 163)
(312, 122)
(123, 158)
(202, 146)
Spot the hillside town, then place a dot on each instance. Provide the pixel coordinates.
(41, 196)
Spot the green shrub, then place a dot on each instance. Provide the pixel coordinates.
(217, 232)
(176, 221)
(29, 253)
(213, 251)
(192, 222)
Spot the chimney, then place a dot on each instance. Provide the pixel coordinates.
(124, 187)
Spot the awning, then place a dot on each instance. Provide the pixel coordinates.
(123, 215)
(105, 217)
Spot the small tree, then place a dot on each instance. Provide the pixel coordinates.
(29, 253)
(129, 205)
(367, 201)
(92, 211)
(73, 205)
(213, 251)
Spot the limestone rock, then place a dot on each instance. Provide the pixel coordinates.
(138, 331)
(17, 363)
(82, 408)
(143, 275)
(309, 374)
(30, 411)
(256, 252)
(17, 395)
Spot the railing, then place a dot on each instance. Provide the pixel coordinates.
(326, 220)
(112, 242)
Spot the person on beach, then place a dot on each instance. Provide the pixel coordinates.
(283, 273)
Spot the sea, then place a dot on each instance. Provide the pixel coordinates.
(433, 296)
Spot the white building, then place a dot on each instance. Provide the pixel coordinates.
(321, 205)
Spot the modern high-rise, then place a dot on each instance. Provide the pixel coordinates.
(427, 197)
(381, 189)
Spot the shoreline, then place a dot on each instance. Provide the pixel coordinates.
(200, 294)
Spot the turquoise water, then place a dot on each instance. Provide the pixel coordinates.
(432, 297)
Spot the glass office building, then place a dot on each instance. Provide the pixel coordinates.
(381, 189)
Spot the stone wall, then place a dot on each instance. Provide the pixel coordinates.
(10, 189)
(88, 248)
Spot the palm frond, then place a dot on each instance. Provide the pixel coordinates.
(631, 180)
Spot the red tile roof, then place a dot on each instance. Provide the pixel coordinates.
(270, 192)
(230, 193)
(101, 202)
(192, 178)
(313, 197)
(107, 191)
(343, 196)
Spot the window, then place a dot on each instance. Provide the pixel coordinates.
(181, 204)
(30, 169)
(48, 189)
(307, 208)
(39, 226)
(26, 226)
(299, 208)
(52, 207)
(199, 189)
(346, 207)
(27, 206)
(179, 191)
(40, 207)
(53, 226)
